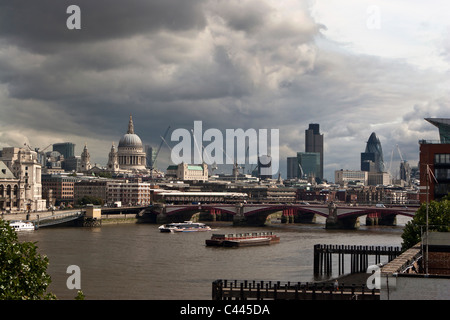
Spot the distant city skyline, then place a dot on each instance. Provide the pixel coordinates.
(353, 68)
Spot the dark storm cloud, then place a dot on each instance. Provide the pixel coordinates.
(41, 25)
(232, 64)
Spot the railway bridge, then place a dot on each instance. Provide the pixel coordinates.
(337, 217)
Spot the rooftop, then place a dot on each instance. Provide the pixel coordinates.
(443, 124)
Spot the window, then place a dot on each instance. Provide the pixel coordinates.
(442, 174)
(442, 158)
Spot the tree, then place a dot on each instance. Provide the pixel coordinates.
(23, 271)
(90, 200)
(438, 220)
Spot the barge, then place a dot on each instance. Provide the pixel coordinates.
(242, 239)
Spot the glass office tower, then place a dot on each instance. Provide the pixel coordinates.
(372, 158)
(314, 143)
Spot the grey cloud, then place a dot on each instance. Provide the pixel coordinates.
(230, 64)
(41, 25)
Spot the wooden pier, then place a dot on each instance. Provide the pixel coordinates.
(275, 290)
(359, 257)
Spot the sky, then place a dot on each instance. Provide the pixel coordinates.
(353, 66)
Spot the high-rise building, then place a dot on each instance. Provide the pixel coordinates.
(372, 158)
(309, 164)
(314, 143)
(67, 149)
(434, 163)
(292, 168)
(151, 156)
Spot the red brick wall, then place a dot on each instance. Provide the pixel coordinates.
(439, 262)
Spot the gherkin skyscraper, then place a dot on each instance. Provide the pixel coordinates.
(372, 158)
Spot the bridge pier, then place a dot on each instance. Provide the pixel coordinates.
(378, 219)
(388, 220)
(305, 217)
(343, 223)
(240, 219)
(333, 222)
(287, 216)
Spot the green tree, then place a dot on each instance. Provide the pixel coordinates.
(90, 200)
(438, 220)
(23, 271)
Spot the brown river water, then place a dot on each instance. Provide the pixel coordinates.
(136, 261)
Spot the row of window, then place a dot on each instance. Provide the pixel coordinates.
(441, 189)
(442, 174)
(442, 158)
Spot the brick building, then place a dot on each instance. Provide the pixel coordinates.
(434, 163)
(58, 189)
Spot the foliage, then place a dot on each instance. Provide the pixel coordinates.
(438, 220)
(104, 175)
(90, 200)
(23, 273)
(80, 295)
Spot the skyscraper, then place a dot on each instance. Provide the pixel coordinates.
(292, 168)
(372, 158)
(314, 143)
(309, 164)
(67, 149)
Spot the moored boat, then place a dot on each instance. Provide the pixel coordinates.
(187, 226)
(246, 242)
(231, 239)
(22, 225)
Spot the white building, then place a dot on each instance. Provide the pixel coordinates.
(188, 172)
(343, 177)
(134, 193)
(24, 165)
(379, 178)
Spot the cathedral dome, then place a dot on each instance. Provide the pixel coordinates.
(130, 152)
(130, 140)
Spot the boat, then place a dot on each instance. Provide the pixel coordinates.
(242, 239)
(246, 242)
(187, 226)
(22, 225)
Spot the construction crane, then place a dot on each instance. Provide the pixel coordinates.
(153, 163)
(37, 149)
(392, 155)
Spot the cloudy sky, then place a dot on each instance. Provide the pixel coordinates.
(353, 66)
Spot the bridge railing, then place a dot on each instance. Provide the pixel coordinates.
(57, 219)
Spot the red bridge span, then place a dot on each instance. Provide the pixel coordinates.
(346, 217)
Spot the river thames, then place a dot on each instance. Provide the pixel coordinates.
(136, 261)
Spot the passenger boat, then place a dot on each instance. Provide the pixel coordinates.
(187, 226)
(22, 225)
(242, 239)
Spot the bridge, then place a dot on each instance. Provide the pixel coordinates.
(338, 217)
(56, 219)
